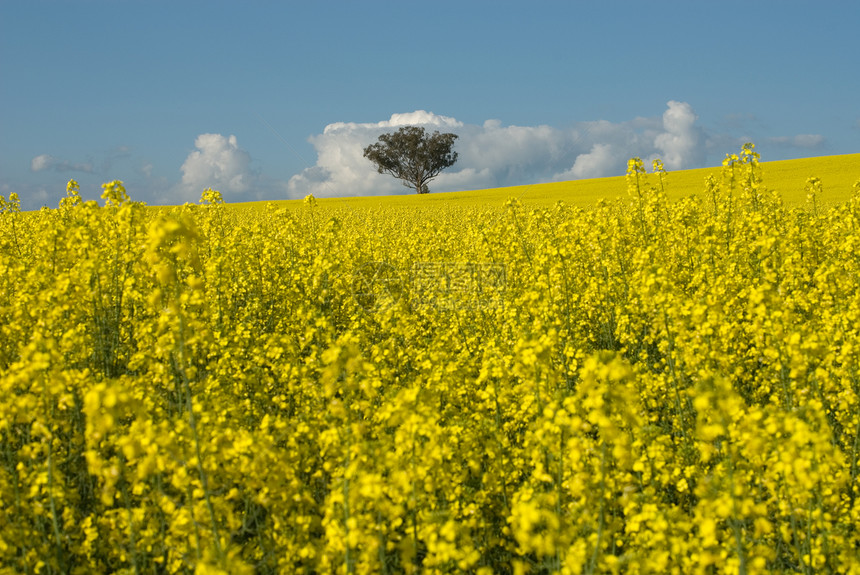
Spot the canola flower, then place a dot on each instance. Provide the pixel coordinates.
(643, 386)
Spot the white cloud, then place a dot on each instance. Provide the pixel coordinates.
(342, 169)
(597, 163)
(680, 144)
(39, 163)
(808, 140)
(45, 162)
(492, 154)
(805, 141)
(416, 118)
(219, 163)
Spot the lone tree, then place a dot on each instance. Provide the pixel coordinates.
(412, 155)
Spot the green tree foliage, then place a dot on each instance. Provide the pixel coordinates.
(412, 155)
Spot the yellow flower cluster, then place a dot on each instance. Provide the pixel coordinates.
(642, 386)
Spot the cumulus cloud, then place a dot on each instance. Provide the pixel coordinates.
(342, 169)
(218, 162)
(598, 162)
(416, 118)
(493, 154)
(47, 162)
(680, 143)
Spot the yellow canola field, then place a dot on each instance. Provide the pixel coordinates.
(788, 177)
(639, 386)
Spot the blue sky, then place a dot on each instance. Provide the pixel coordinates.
(268, 100)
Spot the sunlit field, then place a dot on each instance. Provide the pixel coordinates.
(837, 174)
(651, 374)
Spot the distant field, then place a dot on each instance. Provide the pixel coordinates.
(837, 174)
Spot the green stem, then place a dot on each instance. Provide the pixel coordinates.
(348, 560)
(192, 422)
(592, 564)
(734, 521)
(131, 533)
(54, 519)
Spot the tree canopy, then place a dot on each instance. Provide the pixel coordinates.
(412, 155)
